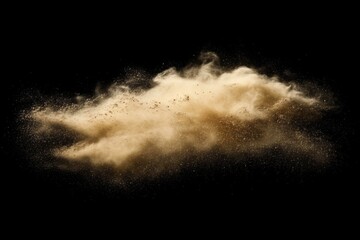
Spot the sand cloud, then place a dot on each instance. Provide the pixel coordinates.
(186, 113)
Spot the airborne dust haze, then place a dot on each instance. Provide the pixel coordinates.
(186, 114)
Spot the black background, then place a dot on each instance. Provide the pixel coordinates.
(70, 51)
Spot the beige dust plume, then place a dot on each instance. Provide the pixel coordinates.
(190, 112)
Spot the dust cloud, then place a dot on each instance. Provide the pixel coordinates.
(186, 113)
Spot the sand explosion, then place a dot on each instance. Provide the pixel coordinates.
(186, 113)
